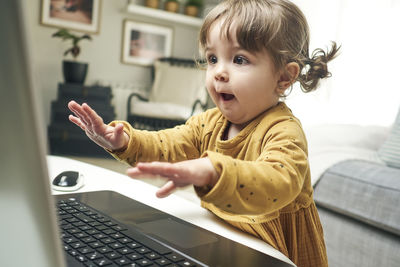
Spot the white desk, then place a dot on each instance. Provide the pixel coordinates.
(97, 178)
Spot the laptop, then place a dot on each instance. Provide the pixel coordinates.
(81, 229)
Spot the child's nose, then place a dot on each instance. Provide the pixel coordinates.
(221, 74)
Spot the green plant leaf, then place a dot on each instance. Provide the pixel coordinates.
(75, 50)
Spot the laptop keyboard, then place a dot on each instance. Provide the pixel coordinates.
(96, 240)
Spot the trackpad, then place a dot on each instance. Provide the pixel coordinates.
(177, 233)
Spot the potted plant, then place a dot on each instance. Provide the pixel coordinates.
(171, 6)
(74, 71)
(193, 7)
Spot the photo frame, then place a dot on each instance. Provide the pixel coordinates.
(143, 43)
(79, 15)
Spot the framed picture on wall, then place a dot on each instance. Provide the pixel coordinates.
(79, 15)
(143, 43)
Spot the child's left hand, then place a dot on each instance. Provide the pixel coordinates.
(199, 172)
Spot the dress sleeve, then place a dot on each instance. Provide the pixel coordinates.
(254, 190)
(173, 145)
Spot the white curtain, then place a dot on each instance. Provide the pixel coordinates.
(364, 87)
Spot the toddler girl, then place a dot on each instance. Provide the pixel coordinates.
(247, 158)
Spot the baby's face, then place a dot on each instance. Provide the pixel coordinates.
(241, 83)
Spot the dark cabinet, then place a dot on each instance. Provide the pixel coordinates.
(65, 138)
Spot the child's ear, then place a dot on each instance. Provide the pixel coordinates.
(288, 76)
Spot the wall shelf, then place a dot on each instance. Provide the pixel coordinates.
(164, 15)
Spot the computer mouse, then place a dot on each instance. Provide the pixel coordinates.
(68, 181)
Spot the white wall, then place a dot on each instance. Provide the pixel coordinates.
(363, 88)
(103, 53)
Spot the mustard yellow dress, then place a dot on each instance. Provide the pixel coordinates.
(264, 186)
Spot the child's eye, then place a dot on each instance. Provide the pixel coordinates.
(240, 60)
(212, 59)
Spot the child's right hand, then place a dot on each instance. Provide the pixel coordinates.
(111, 138)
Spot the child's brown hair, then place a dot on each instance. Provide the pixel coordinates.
(278, 26)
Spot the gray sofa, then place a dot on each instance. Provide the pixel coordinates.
(359, 207)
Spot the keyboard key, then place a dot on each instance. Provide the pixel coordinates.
(73, 231)
(96, 244)
(79, 224)
(92, 232)
(100, 236)
(81, 208)
(186, 263)
(69, 240)
(90, 213)
(88, 239)
(72, 220)
(104, 250)
(152, 256)
(67, 227)
(72, 211)
(109, 231)
(144, 262)
(84, 218)
(61, 212)
(73, 202)
(134, 256)
(96, 216)
(125, 250)
(113, 255)
(94, 255)
(73, 252)
(107, 240)
(123, 261)
(115, 245)
(102, 262)
(102, 219)
(77, 245)
(119, 228)
(81, 235)
(102, 227)
(94, 223)
(80, 258)
(174, 257)
(124, 240)
(110, 223)
(143, 250)
(85, 250)
(67, 208)
(134, 245)
(162, 262)
(117, 235)
(85, 228)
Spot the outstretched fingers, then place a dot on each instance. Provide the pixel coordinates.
(144, 172)
(165, 169)
(79, 112)
(92, 116)
(88, 118)
(77, 122)
(166, 189)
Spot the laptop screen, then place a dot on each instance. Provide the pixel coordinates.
(27, 225)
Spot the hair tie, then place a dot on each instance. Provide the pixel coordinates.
(308, 62)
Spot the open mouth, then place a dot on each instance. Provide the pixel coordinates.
(227, 97)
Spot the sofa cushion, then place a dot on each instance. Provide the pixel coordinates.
(365, 191)
(389, 152)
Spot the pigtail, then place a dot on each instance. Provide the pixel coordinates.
(316, 68)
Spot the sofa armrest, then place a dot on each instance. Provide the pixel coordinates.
(365, 191)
